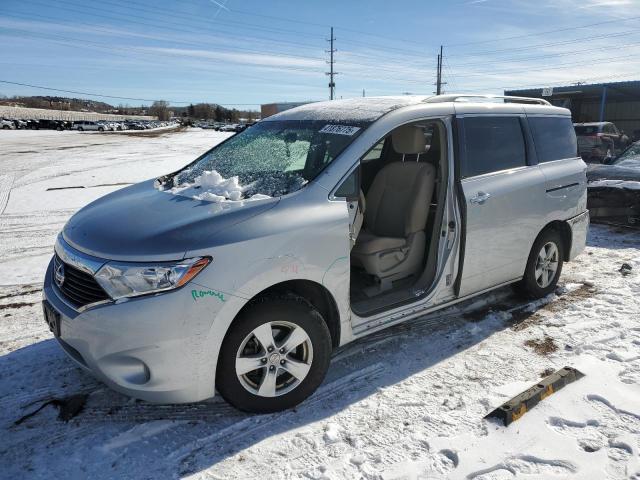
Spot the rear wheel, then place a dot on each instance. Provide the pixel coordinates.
(543, 266)
(80, 129)
(274, 356)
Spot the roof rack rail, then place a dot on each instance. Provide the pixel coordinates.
(466, 98)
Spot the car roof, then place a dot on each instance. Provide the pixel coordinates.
(369, 109)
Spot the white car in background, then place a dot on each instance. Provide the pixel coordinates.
(86, 125)
(7, 124)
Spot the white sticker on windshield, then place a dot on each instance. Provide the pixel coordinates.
(339, 129)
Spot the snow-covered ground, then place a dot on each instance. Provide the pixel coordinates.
(45, 176)
(404, 403)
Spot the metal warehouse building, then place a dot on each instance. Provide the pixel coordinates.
(617, 102)
(268, 109)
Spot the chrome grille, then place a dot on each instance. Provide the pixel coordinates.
(78, 287)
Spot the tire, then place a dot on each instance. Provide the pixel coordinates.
(5, 127)
(80, 129)
(101, 129)
(539, 281)
(310, 359)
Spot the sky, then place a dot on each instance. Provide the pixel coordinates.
(242, 53)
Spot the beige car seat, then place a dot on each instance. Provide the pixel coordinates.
(391, 245)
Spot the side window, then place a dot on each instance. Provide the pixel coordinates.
(492, 144)
(554, 138)
(350, 187)
(375, 153)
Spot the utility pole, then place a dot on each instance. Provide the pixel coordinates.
(439, 81)
(331, 73)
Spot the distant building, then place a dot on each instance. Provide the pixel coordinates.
(269, 109)
(617, 102)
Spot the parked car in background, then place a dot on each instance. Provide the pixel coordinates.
(315, 227)
(20, 124)
(53, 125)
(7, 124)
(230, 127)
(106, 126)
(130, 125)
(33, 124)
(614, 189)
(598, 141)
(88, 126)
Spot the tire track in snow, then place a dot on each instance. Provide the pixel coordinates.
(6, 182)
(190, 455)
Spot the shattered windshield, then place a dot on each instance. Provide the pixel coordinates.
(269, 159)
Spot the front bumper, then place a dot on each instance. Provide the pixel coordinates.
(615, 203)
(154, 348)
(579, 230)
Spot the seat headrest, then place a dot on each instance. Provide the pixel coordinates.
(409, 139)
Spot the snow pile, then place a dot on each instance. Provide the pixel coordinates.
(211, 186)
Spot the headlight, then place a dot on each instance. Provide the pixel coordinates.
(133, 279)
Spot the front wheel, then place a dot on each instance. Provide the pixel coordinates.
(543, 266)
(274, 356)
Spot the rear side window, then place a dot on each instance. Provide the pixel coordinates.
(583, 130)
(554, 138)
(493, 144)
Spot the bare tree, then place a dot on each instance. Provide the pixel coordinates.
(160, 109)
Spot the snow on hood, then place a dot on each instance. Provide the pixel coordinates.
(211, 186)
(629, 184)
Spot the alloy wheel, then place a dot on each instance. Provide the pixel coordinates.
(546, 264)
(274, 359)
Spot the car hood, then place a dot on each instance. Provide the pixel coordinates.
(613, 172)
(142, 223)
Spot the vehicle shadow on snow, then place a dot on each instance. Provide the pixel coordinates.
(199, 436)
(207, 433)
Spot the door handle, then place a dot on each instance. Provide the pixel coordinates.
(480, 198)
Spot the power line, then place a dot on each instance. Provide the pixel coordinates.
(109, 31)
(339, 27)
(199, 19)
(602, 79)
(75, 92)
(127, 18)
(535, 34)
(82, 43)
(592, 61)
(549, 55)
(553, 44)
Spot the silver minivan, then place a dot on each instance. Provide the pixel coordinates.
(244, 270)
